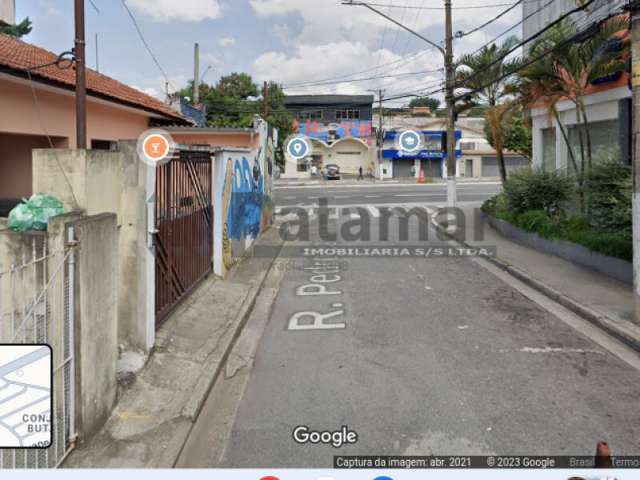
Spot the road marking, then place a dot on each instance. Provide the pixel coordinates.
(375, 213)
(372, 196)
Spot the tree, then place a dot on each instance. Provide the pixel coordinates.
(20, 30)
(234, 101)
(516, 133)
(487, 77)
(568, 61)
(432, 103)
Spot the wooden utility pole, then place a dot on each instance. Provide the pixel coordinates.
(451, 106)
(265, 100)
(81, 78)
(635, 160)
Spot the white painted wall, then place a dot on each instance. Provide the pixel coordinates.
(601, 106)
(8, 12)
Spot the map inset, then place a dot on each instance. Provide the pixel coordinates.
(25, 396)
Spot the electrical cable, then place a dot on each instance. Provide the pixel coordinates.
(488, 22)
(532, 37)
(146, 45)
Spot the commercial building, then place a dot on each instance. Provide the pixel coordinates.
(340, 129)
(608, 100)
(476, 158)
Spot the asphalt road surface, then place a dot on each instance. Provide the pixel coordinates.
(382, 194)
(419, 356)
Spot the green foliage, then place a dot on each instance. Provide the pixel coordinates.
(515, 131)
(432, 103)
(609, 189)
(575, 229)
(536, 189)
(20, 30)
(235, 100)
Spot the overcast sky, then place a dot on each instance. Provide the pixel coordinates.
(289, 41)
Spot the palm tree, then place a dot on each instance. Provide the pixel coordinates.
(485, 75)
(569, 63)
(564, 64)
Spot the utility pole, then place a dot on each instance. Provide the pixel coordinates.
(635, 160)
(81, 78)
(451, 107)
(196, 74)
(380, 133)
(265, 100)
(447, 54)
(97, 55)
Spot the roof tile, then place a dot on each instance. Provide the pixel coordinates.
(18, 55)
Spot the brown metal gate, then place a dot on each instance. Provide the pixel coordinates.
(184, 235)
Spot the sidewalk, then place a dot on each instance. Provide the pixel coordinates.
(154, 415)
(600, 299)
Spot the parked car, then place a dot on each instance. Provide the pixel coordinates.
(333, 172)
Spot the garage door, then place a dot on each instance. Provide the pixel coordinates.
(402, 168)
(490, 165)
(432, 168)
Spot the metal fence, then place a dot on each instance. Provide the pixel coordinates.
(37, 306)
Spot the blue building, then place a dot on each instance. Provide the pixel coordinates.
(431, 157)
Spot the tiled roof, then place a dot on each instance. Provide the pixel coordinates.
(20, 56)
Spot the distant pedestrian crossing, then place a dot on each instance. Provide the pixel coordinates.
(344, 212)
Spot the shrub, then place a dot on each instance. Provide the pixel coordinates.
(537, 189)
(537, 221)
(609, 188)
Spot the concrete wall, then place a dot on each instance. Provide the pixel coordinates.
(119, 183)
(96, 322)
(601, 105)
(243, 205)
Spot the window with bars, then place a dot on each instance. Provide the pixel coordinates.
(348, 114)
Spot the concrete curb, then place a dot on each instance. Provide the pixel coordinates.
(626, 332)
(215, 364)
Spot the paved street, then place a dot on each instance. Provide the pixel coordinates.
(419, 356)
(382, 193)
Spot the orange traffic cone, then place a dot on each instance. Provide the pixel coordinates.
(603, 455)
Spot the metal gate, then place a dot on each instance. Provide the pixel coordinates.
(37, 306)
(184, 227)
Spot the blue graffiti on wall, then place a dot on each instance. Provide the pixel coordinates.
(247, 198)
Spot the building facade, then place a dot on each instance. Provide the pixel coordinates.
(340, 130)
(608, 100)
(475, 156)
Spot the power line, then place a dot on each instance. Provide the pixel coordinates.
(146, 45)
(371, 69)
(95, 7)
(490, 21)
(529, 62)
(513, 26)
(353, 80)
(414, 7)
(531, 38)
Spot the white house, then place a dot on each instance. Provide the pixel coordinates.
(608, 102)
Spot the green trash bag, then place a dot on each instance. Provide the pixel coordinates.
(21, 218)
(34, 214)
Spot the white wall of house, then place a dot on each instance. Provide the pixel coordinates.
(601, 107)
(8, 12)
